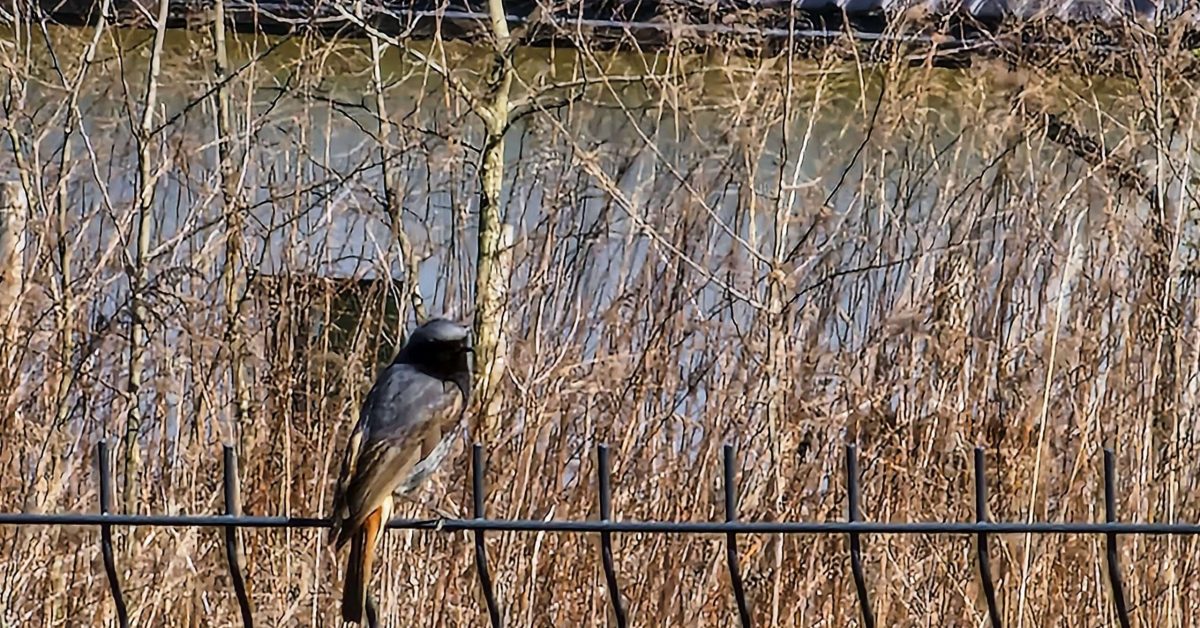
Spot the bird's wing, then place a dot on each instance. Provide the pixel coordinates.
(349, 468)
(387, 384)
(403, 419)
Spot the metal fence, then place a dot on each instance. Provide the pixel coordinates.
(852, 527)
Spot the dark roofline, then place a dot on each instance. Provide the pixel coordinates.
(1083, 32)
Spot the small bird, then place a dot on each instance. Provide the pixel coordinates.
(403, 433)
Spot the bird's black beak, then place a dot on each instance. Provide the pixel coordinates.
(463, 382)
(463, 378)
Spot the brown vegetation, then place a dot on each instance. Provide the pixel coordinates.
(783, 253)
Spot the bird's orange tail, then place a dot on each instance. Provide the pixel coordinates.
(358, 568)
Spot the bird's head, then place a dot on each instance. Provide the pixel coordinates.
(441, 348)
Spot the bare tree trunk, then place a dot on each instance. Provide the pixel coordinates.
(394, 192)
(234, 227)
(779, 329)
(495, 109)
(65, 312)
(14, 214)
(138, 336)
(490, 273)
(13, 99)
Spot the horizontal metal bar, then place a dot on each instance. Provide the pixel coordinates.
(659, 527)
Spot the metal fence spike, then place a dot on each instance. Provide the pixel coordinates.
(610, 572)
(234, 552)
(106, 544)
(981, 540)
(731, 554)
(1110, 516)
(481, 568)
(860, 580)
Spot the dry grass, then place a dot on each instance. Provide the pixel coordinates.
(779, 253)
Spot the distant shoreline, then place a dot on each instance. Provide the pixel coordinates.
(1097, 44)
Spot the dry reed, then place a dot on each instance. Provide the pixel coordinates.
(782, 252)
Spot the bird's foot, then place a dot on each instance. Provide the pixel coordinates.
(442, 515)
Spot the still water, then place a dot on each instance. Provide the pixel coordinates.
(699, 174)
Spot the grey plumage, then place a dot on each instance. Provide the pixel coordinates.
(404, 432)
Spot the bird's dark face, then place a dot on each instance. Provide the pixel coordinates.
(441, 349)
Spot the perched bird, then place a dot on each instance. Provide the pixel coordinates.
(403, 433)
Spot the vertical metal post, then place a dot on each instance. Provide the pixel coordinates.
(106, 546)
(610, 572)
(981, 540)
(481, 568)
(860, 580)
(372, 611)
(731, 554)
(1110, 516)
(234, 553)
